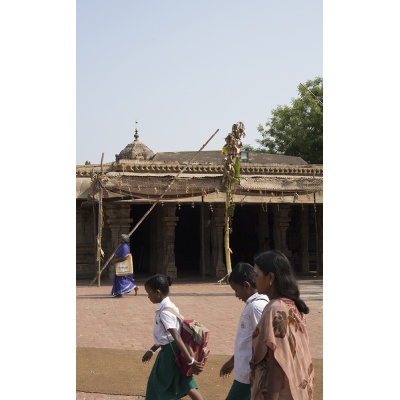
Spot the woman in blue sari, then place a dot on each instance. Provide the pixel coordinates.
(122, 284)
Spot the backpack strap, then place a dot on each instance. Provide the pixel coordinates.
(172, 311)
(170, 343)
(180, 317)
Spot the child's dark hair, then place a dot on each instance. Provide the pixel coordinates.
(159, 282)
(243, 272)
(285, 281)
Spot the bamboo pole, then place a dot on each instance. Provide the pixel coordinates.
(227, 248)
(153, 205)
(100, 222)
(231, 176)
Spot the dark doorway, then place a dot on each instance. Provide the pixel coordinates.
(187, 239)
(244, 236)
(140, 239)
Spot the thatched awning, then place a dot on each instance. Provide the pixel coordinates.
(149, 187)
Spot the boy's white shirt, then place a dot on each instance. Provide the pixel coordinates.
(169, 320)
(243, 342)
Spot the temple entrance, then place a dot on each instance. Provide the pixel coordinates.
(243, 239)
(140, 239)
(244, 236)
(188, 240)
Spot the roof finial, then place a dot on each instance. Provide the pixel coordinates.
(136, 132)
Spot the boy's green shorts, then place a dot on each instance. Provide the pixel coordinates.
(239, 391)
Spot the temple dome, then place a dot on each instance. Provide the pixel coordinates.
(135, 151)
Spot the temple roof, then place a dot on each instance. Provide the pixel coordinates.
(135, 151)
(139, 175)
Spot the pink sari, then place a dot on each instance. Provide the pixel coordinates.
(281, 365)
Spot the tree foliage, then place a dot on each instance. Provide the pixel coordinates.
(296, 130)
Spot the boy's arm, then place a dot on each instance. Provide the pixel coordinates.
(227, 368)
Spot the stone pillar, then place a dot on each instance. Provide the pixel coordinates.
(281, 224)
(81, 216)
(118, 218)
(218, 218)
(170, 221)
(304, 226)
(85, 243)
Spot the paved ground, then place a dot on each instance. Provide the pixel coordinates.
(127, 322)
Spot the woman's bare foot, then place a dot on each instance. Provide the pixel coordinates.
(136, 290)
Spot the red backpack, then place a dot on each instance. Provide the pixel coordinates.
(195, 337)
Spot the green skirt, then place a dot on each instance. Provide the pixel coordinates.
(166, 381)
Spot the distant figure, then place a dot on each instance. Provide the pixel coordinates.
(281, 365)
(241, 280)
(122, 284)
(166, 380)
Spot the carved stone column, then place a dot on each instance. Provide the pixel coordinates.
(170, 221)
(218, 219)
(118, 218)
(305, 256)
(281, 224)
(85, 243)
(81, 216)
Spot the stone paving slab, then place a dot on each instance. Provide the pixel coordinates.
(127, 323)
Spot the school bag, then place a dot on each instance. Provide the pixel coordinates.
(195, 336)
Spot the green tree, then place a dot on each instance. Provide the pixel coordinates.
(296, 130)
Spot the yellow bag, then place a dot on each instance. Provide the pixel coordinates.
(125, 267)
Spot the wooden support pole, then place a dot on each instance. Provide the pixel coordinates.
(100, 223)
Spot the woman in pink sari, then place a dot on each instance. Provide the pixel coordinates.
(281, 365)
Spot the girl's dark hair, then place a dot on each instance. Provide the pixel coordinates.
(243, 272)
(159, 282)
(285, 281)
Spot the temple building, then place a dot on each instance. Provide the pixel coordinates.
(277, 205)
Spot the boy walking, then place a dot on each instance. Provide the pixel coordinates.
(241, 281)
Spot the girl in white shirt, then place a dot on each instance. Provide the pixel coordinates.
(166, 381)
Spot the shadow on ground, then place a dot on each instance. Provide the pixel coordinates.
(121, 372)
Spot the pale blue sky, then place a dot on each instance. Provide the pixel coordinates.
(184, 69)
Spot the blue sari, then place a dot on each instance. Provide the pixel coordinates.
(122, 284)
